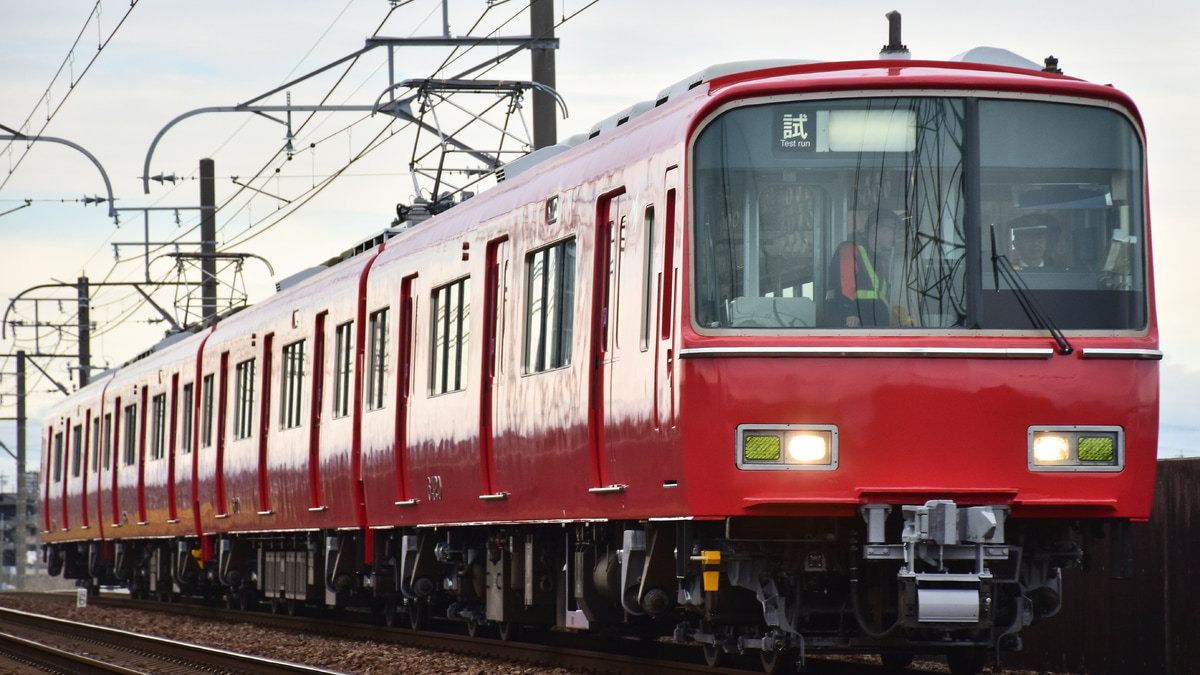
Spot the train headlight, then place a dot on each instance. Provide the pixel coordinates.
(1076, 448)
(808, 448)
(782, 447)
(1050, 448)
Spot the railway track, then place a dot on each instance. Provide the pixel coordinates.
(546, 649)
(61, 646)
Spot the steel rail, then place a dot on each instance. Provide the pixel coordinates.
(115, 651)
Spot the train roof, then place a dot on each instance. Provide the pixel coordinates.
(985, 56)
(989, 59)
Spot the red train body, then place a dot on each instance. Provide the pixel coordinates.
(658, 414)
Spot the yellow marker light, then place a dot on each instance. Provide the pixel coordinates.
(1096, 449)
(761, 448)
(808, 449)
(1048, 449)
(712, 581)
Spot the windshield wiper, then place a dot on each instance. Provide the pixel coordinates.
(1001, 267)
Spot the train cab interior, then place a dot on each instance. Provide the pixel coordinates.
(779, 188)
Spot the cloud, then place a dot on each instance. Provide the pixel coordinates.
(1179, 424)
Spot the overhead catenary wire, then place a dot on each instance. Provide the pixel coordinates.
(241, 200)
(68, 60)
(276, 218)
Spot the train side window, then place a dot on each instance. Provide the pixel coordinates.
(378, 357)
(343, 368)
(95, 444)
(647, 278)
(76, 450)
(131, 435)
(549, 307)
(451, 336)
(108, 429)
(185, 443)
(206, 410)
(58, 457)
(291, 406)
(158, 427)
(243, 412)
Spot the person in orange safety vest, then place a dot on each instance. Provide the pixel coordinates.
(858, 288)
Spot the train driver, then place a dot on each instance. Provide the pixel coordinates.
(858, 274)
(1031, 239)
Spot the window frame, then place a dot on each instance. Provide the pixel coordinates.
(377, 359)
(77, 450)
(343, 369)
(450, 336)
(970, 304)
(130, 429)
(550, 273)
(158, 426)
(108, 438)
(207, 409)
(188, 411)
(96, 444)
(291, 389)
(57, 469)
(244, 391)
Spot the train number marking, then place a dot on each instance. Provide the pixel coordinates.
(433, 487)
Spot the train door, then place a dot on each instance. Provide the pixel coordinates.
(493, 336)
(62, 461)
(116, 444)
(668, 282)
(315, 502)
(222, 407)
(264, 426)
(106, 440)
(62, 455)
(404, 364)
(611, 212)
(141, 458)
(97, 444)
(172, 446)
(83, 493)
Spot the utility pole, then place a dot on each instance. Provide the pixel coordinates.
(541, 27)
(208, 238)
(22, 493)
(85, 334)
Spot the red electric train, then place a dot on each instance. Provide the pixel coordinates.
(794, 358)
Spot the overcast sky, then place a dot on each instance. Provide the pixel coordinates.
(168, 58)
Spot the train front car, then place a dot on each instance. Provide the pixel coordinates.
(921, 353)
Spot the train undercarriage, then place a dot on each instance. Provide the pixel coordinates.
(935, 578)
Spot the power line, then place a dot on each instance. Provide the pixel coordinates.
(375, 142)
(70, 59)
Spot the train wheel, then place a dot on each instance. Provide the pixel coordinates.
(509, 630)
(966, 661)
(390, 612)
(474, 628)
(714, 656)
(418, 615)
(294, 607)
(774, 662)
(276, 605)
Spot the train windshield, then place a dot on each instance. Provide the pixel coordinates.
(896, 213)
